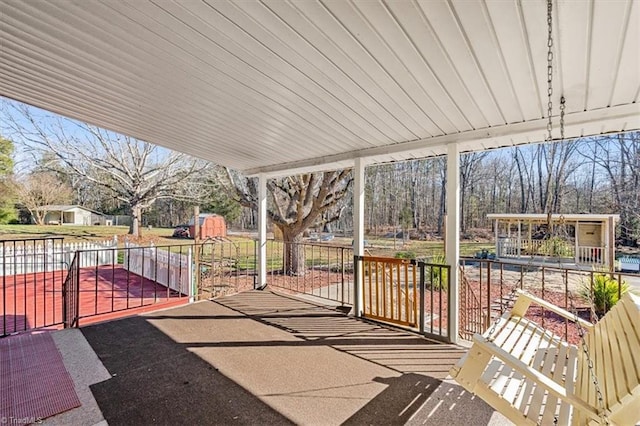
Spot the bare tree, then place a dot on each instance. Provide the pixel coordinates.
(470, 164)
(134, 172)
(37, 191)
(297, 203)
(619, 158)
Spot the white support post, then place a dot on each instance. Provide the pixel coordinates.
(497, 237)
(577, 242)
(453, 237)
(190, 274)
(519, 239)
(358, 232)
(262, 231)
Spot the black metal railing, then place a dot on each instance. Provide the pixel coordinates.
(71, 294)
(133, 277)
(225, 267)
(31, 273)
(320, 270)
(490, 284)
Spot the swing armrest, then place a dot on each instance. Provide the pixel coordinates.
(536, 376)
(551, 307)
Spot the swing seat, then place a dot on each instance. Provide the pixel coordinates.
(532, 376)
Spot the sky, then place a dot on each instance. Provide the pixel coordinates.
(25, 158)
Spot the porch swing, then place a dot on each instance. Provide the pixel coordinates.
(532, 376)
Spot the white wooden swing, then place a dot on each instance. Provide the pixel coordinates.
(533, 377)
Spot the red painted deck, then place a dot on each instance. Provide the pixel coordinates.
(35, 300)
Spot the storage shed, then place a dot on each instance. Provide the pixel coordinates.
(211, 225)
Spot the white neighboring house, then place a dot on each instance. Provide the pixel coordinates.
(71, 215)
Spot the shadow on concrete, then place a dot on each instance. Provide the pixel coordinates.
(158, 381)
(395, 405)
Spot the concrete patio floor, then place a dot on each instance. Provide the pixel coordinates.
(266, 358)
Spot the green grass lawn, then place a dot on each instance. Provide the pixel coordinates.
(162, 237)
(77, 233)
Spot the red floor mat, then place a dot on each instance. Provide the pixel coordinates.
(34, 382)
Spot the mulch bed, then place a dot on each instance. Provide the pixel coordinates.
(498, 298)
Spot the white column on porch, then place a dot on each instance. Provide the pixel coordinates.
(358, 231)
(577, 241)
(262, 231)
(604, 237)
(497, 239)
(453, 237)
(519, 239)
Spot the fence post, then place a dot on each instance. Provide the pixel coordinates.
(421, 295)
(190, 280)
(77, 294)
(358, 301)
(65, 300)
(342, 275)
(255, 263)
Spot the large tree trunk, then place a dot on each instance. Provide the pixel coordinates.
(294, 259)
(134, 228)
(39, 215)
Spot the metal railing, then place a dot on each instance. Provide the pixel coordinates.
(225, 267)
(31, 280)
(137, 277)
(491, 283)
(320, 270)
(472, 317)
(71, 294)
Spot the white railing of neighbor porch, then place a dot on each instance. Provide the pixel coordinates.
(46, 257)
(592, 255)
(513, 248)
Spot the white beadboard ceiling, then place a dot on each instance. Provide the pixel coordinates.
(279, 86)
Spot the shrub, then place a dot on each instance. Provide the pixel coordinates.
(556, 247)
(603, 293)
(437, 277)
(405, 255)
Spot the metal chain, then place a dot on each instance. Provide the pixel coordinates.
(604, 419)
(549, 69)
(562, 106)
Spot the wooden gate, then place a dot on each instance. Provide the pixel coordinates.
(391, 290)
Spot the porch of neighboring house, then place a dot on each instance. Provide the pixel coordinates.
(582, 240)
